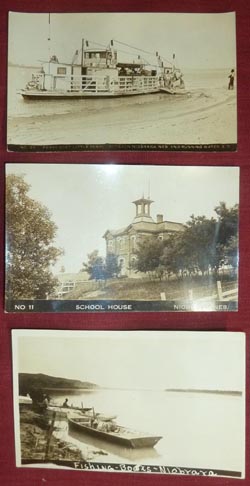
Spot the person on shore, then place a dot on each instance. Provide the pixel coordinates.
(65, 403)
(45, 402)
(231, 80)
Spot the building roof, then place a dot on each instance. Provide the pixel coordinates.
(116, 232)
(170, 226)
(143, 200)
(148, 226)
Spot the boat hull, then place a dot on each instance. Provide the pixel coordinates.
(134, 442)
(50, 95)
(62, 412)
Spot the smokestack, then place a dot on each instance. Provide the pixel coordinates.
(159, 218)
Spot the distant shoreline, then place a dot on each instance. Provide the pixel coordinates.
(178, 390)
(10, 65)
(69, 389)
(214, 392)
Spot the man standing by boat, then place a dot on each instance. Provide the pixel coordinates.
(65, 403)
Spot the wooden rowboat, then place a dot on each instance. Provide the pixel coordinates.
(118, 435)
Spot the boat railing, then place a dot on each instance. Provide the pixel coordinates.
(138, 83)
(89, 83)
(103, 83)
(94, 83)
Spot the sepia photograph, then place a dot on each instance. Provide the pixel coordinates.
(113, 237)
(159, 402)
(95, 81)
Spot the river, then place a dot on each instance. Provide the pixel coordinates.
(19, 76)
(198, 117)
(199, 430)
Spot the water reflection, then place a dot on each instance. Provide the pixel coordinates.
(114, 449)
(81, 440)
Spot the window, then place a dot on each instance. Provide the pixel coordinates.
(61, 70)
(110, 244)
(67, 286)
(133, 242)
(120, 243)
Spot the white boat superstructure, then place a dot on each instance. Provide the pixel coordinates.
(99, 74)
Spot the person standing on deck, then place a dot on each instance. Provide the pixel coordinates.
(231, 80)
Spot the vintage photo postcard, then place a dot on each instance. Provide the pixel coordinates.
(84, 238)
(122, 81)
(130, 401)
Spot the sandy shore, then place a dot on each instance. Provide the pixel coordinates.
(203, 117)
(34, 437)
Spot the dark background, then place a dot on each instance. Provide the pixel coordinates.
(231, 321)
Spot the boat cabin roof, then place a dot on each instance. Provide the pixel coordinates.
(107, 49)
(61, 64)
(129, 65)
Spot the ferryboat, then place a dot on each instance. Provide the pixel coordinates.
(99, 74)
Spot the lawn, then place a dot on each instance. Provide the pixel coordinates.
(148, 289)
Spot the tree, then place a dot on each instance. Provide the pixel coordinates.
(149, 252)
(227, 224)
(112, 268)
(95, 266)
(202, 247)
(100, 269)
(231, 252)
(199, 244)
(30, 235)
(173, 258)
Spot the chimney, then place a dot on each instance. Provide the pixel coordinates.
(159, 218)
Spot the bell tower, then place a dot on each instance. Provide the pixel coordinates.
(143, 210)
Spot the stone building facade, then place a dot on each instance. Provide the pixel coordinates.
(123, 242)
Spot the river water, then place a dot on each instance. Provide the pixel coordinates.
(19, 76)
(198, 430)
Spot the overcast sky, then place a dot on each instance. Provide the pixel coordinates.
(86, 200)
(165, 359)
(198, 40)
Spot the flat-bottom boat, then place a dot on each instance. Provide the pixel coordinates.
(118, 434)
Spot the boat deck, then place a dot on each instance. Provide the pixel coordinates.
(120, 435)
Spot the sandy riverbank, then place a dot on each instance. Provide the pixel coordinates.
(203, 117)
(34, 438)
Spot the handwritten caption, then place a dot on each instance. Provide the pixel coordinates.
(142, 469)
